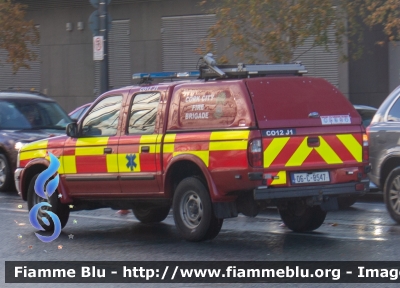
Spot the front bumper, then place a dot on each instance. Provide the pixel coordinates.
(17, 178)
(264, 193)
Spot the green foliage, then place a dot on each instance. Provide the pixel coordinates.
(17, 34)
(274, 29)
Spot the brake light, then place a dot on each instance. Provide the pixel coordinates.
(365, 148)
(254, 153)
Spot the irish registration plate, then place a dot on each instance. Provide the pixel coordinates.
(315, 177)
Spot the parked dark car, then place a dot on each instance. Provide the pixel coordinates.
(384, 137)
(78, 112)
(25, 117)
(367, 113)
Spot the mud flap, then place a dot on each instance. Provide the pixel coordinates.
(330, 205)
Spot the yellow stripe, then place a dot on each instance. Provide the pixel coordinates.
(122, 161)
(148, 138)
(274, 148)
(281, 180)
(203, 155)
(229, 135)
(89, 151)
(327, 152)
(40, 144)
(352, 145)
(169, 138)
(228, 145)
(92, 141)
(112, 163)
(69, 164)
(32, 154)
(300, 154)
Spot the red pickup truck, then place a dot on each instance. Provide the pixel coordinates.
(235, 140)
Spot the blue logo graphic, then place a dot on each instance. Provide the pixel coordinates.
(45, 194)
(131, 161)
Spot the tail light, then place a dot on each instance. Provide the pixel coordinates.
(254, 153)
(365, 148)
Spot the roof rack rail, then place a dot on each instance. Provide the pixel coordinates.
(209, 70)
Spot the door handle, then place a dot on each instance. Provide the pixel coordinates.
(107, 150)
(145, 149)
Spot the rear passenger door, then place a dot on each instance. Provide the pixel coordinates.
(90, 161)
(138, 150)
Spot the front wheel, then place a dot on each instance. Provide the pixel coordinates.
(5, 174)
(60, 209)
(391, 194)
(193, 212)
(302, 218)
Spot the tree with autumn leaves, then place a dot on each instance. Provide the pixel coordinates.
(17, 35)
(272, 29)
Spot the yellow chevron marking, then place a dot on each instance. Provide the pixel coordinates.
(229, 135)
(203, 155)
(273, 150)
(352, 145)
(281, 180)
(300, 154)
(327, 153)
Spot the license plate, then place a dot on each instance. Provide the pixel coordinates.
(315, 177)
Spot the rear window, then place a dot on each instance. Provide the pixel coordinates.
(289, 102)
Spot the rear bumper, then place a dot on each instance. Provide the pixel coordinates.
(264, 193)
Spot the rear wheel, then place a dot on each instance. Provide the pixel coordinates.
(5, 174)
(60, 209)
(391, 194)
(149, 214)
(301, 218)
(193, 212)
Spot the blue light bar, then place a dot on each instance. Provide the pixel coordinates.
(162, 75)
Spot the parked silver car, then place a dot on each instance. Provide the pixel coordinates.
(384, 152)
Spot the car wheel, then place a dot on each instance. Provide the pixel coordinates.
(149, 214)
(193, 213)
(60, 209)
(391, 194)
(299, 217)
(5, 174)
(346, 202)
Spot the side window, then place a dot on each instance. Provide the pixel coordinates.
(143, 113)
(394, 113)
(102, 120)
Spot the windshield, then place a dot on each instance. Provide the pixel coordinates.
(22, 114)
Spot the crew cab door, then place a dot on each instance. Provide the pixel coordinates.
(90, 161)
(138, 150)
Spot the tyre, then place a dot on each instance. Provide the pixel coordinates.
(299, 217)
(391, 194)
(193, 213)
(148, 214)
(346, 202)
(61, 210)
(5, 174)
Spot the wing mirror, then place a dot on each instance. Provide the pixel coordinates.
(72, 130)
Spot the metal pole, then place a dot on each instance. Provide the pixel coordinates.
(104, 33)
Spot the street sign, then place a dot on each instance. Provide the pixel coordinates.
(95, 3)
(94, 22)
(98, 48)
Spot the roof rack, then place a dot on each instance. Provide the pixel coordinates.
(209, 70)
(31, 91)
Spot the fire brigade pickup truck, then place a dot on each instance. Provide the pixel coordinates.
(235, 140)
